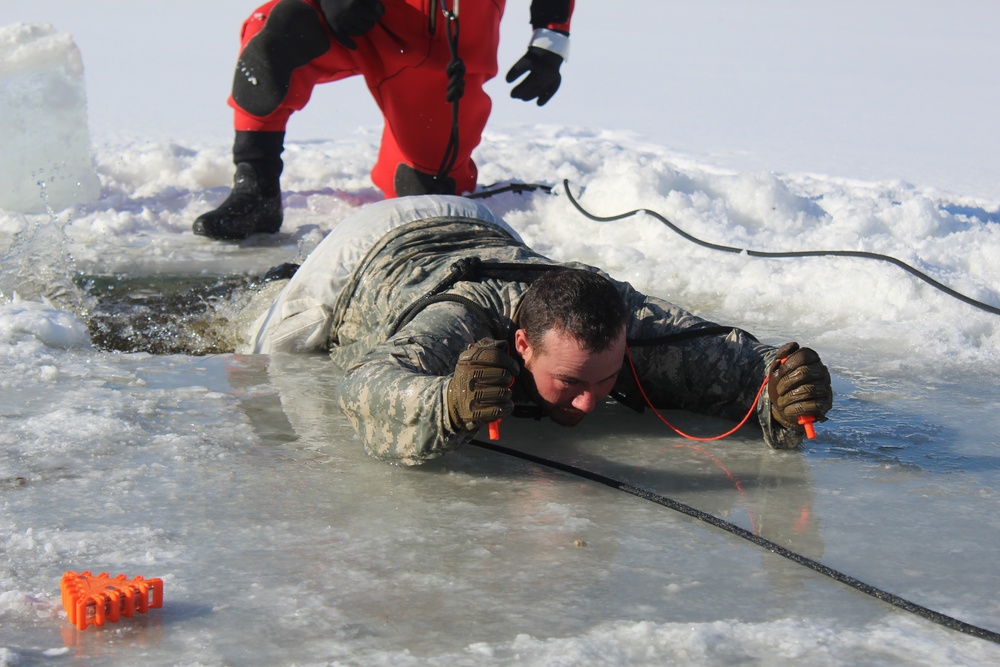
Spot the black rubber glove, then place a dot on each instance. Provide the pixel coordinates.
(799, 386)
(543, 75)
(479, 391)
(348, 18)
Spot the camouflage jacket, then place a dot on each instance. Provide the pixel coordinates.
(429, 289)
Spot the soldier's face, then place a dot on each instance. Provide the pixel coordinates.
(566, 379)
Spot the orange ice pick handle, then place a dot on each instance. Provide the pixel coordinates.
(807, 423)
(94, 600)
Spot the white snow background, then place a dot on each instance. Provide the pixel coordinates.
(773, 125)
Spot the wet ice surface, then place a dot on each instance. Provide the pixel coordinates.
(280, 541)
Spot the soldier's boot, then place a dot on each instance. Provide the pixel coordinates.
(254, 205)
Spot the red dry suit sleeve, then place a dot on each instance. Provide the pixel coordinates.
(552, 14)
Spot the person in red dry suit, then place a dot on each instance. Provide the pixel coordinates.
(418, 57)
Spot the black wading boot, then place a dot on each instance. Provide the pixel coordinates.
(251, 208)
(254, 205)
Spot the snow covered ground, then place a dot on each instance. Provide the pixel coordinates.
(775, 126)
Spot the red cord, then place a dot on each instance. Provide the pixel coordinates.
(703, 452)
(679, 432)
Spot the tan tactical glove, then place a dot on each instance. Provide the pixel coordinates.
(799, 386)
(479, 391)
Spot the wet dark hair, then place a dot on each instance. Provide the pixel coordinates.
(582, 303)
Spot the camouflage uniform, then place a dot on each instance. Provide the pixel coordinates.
(431, 287)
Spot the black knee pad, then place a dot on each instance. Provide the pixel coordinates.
(292, 37)
(409, 181)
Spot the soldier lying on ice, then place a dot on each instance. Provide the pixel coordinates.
(445, 321)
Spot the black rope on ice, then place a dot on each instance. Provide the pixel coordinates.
(510, 187)
(894, 600)
(801, 253)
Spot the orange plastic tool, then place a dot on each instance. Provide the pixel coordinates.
(94, 600)
(807, 423)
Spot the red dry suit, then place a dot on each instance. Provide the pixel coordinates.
(403, 59)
